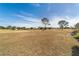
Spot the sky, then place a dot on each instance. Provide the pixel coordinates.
(30, 14)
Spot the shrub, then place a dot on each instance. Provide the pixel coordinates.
(76, 36)
(74, 33)
(75, 51)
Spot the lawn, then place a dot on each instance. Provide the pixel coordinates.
(54, 42)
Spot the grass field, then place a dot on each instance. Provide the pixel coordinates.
(37, 42)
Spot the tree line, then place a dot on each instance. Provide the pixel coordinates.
(45, 21)
(13, 27)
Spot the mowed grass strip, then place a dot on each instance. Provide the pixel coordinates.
(36, 42)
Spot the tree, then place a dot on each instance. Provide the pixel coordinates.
(31, 28)
(9, 27)
(13, 28)
(45, 21)
(77, 26)
(63, 24)
(18, 28)
(40, 28)
(2, 27)
(23, 28)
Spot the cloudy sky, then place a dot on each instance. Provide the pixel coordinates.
(30, 14)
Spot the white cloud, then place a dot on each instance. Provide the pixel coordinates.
(72, 20)
(55, 20)
(35, 22)
(27, 14)
(29, 21)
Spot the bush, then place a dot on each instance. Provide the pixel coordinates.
(76, 36)
(74, 32)
(75, 51)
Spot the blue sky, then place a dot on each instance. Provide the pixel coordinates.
(30, 14)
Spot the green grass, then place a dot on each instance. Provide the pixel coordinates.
(76, 36)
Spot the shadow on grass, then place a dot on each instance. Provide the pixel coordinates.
(75, 51)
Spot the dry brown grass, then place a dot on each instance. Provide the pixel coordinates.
(36, 42)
